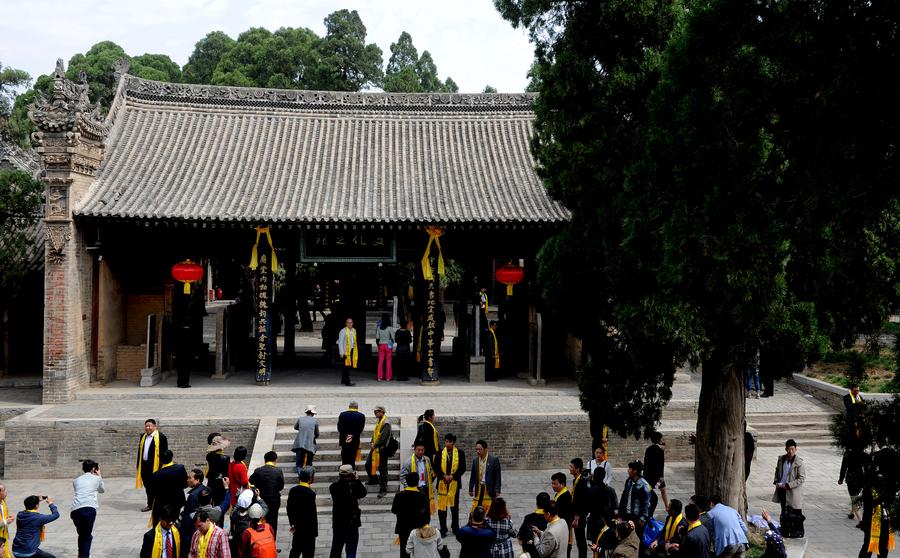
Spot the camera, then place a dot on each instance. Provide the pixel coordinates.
(43, 497)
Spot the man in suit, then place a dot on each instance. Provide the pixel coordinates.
(269, 480)
(163, 540)
(153, 443)
(427, 435)
(302, 516)
(580, 505)
(377, 461)
(449, 469)
(350, 426)
(411, 508)
(169, 484)
(485, 479)
(789, 477)
(853, 401)
(565, 509)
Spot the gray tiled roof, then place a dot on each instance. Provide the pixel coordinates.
(240, 154)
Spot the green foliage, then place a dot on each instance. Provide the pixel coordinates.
(408, 72)
(19, 127)
(155, 66)
(10, 80)
(20, 200)
(346, 62)
(208, 52)
(489, 89)
(728, 167)
(97, 64)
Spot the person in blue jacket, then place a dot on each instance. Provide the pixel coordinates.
(30, 527)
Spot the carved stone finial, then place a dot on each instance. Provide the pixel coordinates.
(67, 110)
(60, 71)
(120, 68)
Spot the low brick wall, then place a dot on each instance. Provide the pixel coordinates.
(830, 394)
(7, 413)
(46, 448)
(537, 442)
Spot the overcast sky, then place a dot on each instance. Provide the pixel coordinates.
(467, 38)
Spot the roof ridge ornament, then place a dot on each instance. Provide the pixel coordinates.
(68, 110)
(300, 98)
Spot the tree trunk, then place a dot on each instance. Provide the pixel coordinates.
(719, 453)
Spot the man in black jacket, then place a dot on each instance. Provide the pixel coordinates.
(427, 435)
(186, 525)
(152, 444)
(580, 505)
(168, 484)
(534, 519)
(449, 469)
(411, 508)
(565, 508)
(269, 480)
(346, 516)
(654, 470)
(302, 516)
(350, 426)
(603, 503)
(485, 480)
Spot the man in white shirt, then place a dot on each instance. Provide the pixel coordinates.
(87, 488)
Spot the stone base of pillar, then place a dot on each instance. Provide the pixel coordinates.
(476, 370)
(150, 376)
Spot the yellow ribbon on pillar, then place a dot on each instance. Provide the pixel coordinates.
(253, 255)
(434, 235)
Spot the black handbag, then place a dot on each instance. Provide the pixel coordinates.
(391, 447)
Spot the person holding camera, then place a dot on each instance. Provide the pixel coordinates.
(30, 528)
(346, 517)
(87, 488)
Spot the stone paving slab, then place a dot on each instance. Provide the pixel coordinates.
(120, 523)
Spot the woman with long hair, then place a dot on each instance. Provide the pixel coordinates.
(500, 521)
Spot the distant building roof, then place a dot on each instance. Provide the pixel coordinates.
(231, 154)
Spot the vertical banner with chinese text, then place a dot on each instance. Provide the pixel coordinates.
(433, 334)
(263, 322)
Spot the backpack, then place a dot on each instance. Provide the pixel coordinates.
(262, 543)
(792, 524)
(390, 448)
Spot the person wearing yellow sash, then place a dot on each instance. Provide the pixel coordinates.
(5, 521)
(564, 505)
(209, 540)
(376, 462)
(348, 350)
(164, 540)
(672, 532)
(420, 464)
(877, 521)
(31, 526)
(581, 500)
(696, 539)
(551, 542)
(350, 425)
(153, 442)
(449, 469)
(604, 540)
(853, 402)
(410, 506)
(485, 481)
(427, 435)
(303, 516)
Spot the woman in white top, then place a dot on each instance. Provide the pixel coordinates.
(599, 461)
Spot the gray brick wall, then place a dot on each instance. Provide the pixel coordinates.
(546, 441)
(51, 448)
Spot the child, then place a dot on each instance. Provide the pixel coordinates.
(774, 542)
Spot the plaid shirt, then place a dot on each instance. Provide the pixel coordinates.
(217, 547)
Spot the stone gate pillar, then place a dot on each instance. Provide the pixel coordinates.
(70, 140)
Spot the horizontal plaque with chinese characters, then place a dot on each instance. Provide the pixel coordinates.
(348, 246)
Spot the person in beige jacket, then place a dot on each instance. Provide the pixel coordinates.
(553, 542)
(789, 476)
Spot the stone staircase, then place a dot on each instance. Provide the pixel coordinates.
(328, 460)
(808, 429)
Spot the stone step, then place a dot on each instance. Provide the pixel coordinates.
(801, 442)
(823, 417)
(330, 474)
(807, 433)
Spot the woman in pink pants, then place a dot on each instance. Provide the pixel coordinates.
(384, 338)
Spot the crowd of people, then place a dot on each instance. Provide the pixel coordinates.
(584, 513)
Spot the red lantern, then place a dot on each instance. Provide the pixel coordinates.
(187, 272)
(510, 275)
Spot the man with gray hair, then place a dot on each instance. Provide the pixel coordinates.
(302, 516)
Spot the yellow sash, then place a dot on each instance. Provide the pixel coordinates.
(4, 530)
(482, 498)
(376, 453)
(854, 399)
(496, 349)
(203, 541)
(138, 483)
(428, 476)
(434, 235)
(306, 484)
(434, 432)
(158, 541)
(351, 355)
(597, 542)
(671, 527)
(875, 532)
(560, 493)
(694, 525)
(447, 492)
(419, 343)
(253, 253)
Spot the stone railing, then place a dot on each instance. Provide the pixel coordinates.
(830, 394)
